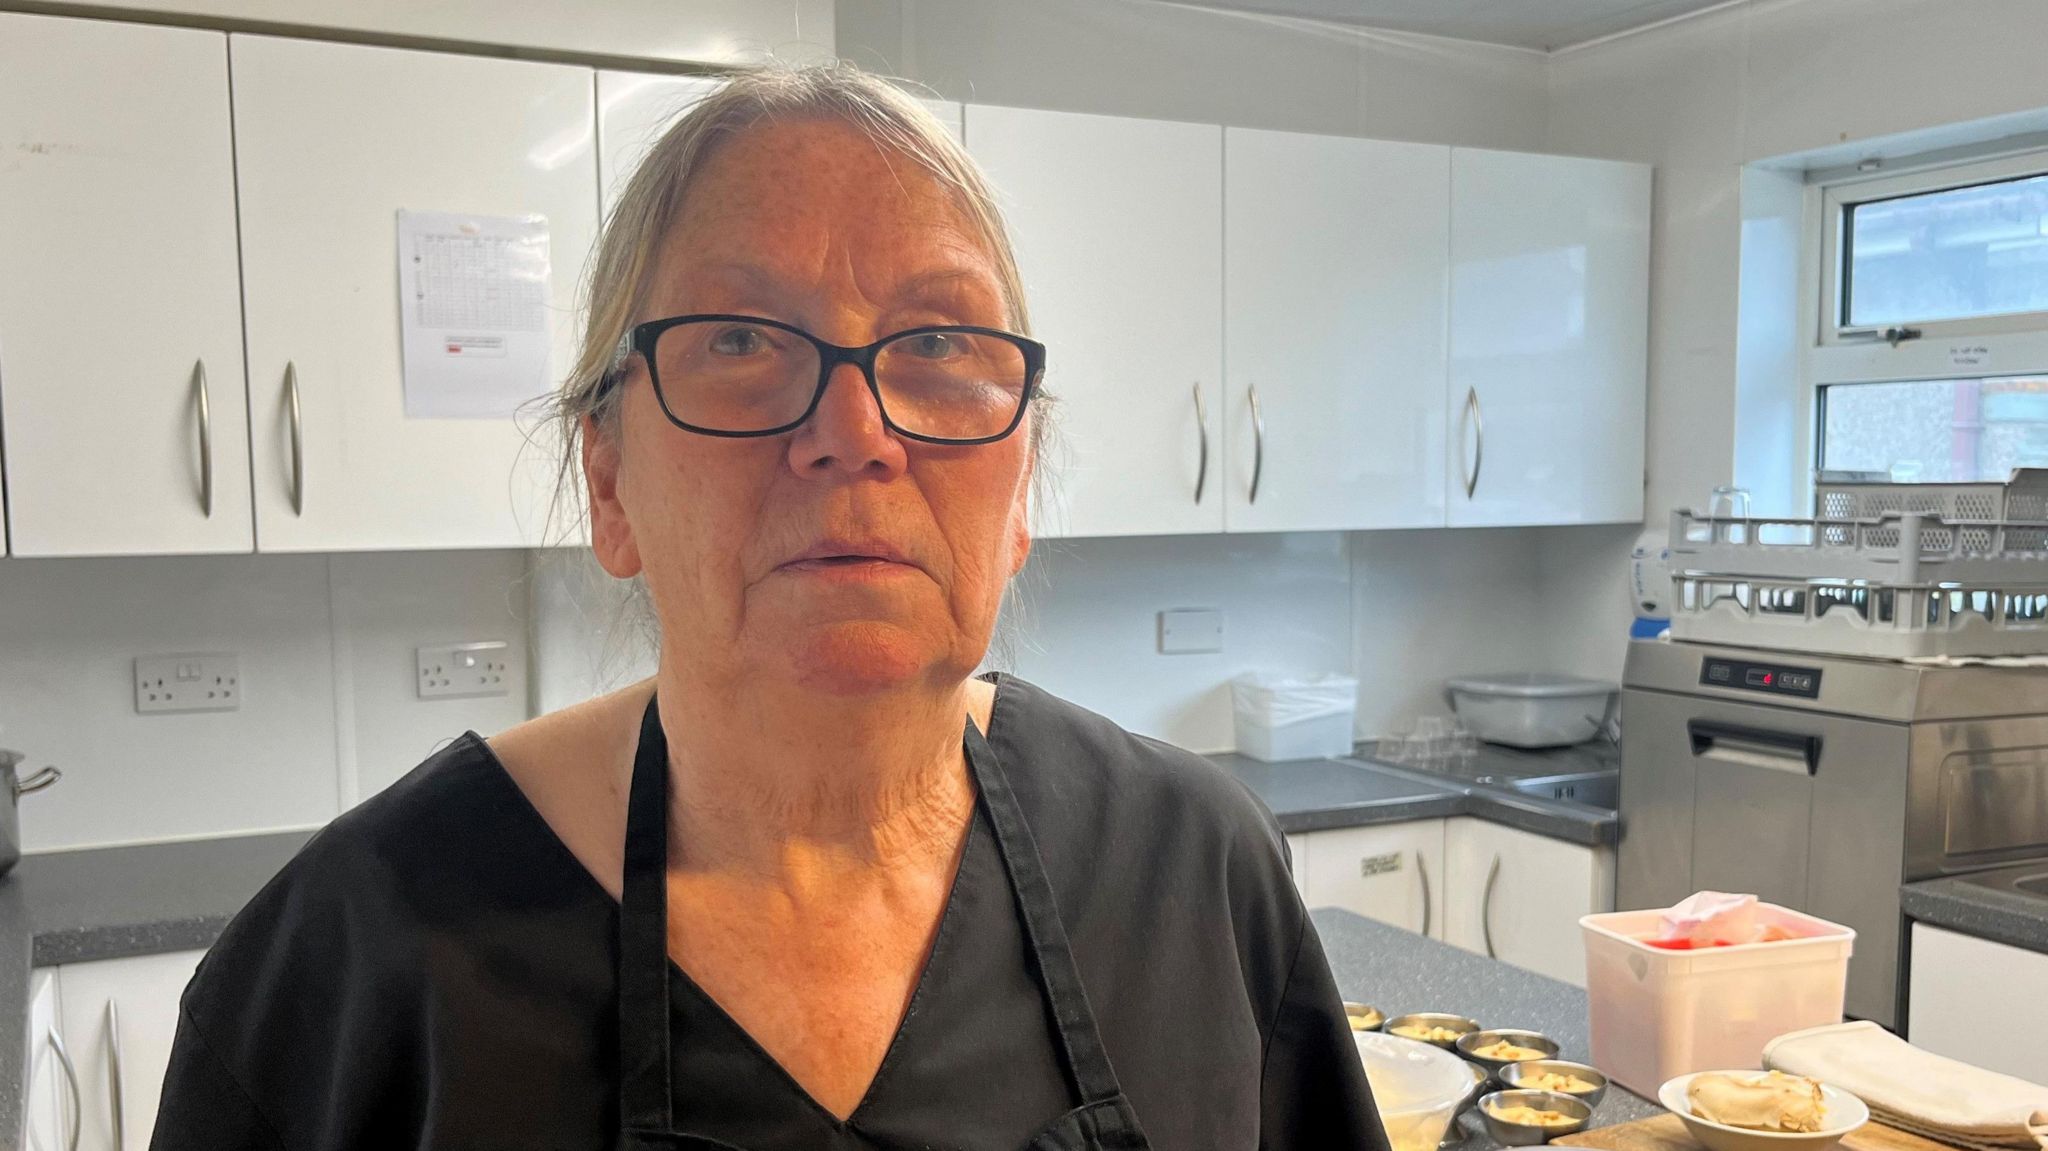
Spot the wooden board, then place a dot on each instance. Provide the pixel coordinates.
(1668, 1133)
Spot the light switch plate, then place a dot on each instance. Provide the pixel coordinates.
(1184, 631)
(210, 681)
(464, 669)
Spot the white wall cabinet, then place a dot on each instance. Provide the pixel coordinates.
(121, 393)
(119, 1017)
(1392, 872)
(332, 141)
(1118, 227)
(1517, 897)
(1959, 983)
(1336, 271)
(1549, 332)
(633, 110)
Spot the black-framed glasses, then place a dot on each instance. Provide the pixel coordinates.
(738, 375)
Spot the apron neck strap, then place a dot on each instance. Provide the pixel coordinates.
(1088, 1066)
(646, 1085)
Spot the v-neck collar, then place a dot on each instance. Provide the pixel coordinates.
(948, 918)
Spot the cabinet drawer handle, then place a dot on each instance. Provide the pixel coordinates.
(204, 402)
(1473, 413)
(56, 1043)
(117, 1108)
(291, 395)
(1258, 442)
(1486, 908)
(1202, 424)
(1422, 873)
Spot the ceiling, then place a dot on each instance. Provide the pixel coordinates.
(1540, 24)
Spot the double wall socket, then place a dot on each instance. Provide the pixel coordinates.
(1185, 631)
(195, 682)
(465, 669)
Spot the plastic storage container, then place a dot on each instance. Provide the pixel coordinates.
(1281, 717)
(1417, 1087)
(1659, 1014)
(1531, 709)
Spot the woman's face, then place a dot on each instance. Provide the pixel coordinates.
(810, 223)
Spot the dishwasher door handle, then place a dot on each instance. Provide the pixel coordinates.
(1759, 746)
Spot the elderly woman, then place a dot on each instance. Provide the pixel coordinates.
(815, 884)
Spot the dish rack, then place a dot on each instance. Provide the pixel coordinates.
(1896, 571)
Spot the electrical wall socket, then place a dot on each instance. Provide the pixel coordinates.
(1188, 630)
(465, 669)
(193, 682)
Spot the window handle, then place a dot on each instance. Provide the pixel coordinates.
(1892, 336)
(1201, 423)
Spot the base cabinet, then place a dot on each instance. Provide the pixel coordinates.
(113, 1020)
(1516, 896)
(1392, 872)
(1959, 982)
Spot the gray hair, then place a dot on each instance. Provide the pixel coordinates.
(620, 275)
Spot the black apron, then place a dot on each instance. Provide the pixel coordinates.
(1102, 1117)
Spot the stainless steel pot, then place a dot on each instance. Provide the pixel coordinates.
(11, 791)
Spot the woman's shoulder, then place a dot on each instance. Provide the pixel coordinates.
(1081, 752)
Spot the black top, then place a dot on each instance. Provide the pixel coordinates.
(436, 969)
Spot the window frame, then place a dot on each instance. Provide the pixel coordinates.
(1838, 197)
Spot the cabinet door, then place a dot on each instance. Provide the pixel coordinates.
(119, 1017)
(332, 141)
(1515, 896)
(1960, 983)
(121, 394)
(1118, 225)
(1297, 854)
(1336, 265)
(46, 1121)
(1393, 873)
(1550, 272)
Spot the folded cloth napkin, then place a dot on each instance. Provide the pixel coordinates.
(1914, 1090)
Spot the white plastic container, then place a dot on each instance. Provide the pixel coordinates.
(1281, 717)
(1417, 1088)
(1659, 1014)
(1530, 709)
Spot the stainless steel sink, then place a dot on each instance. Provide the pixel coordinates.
(2033, 884)
(1591, 788)
(2028, 879)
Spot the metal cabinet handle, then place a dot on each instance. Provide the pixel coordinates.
(56, 1043)
(204, 402)
(116, 1109)
(1486, 908)
(1202, 424)
(1473, 413)
(1422, 873)
(1258, 442)
(291, 393)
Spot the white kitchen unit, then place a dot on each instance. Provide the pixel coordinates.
(118, 1018)
(1516, 896)
(1548, 339)
(1392, 872)
(49, 1094)
(1118, 225)
(1336, 274)
(1978, 1001)
(121, 392)
(332, 140)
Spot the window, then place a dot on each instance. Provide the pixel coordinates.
(1936, 431)
(1930, 362)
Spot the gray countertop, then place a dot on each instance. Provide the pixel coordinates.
(1322, 794)
(1983, 904)
(1400, 972)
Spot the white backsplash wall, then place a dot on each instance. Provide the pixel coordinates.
(328, 712)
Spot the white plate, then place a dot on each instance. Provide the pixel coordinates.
(1842, 1111)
